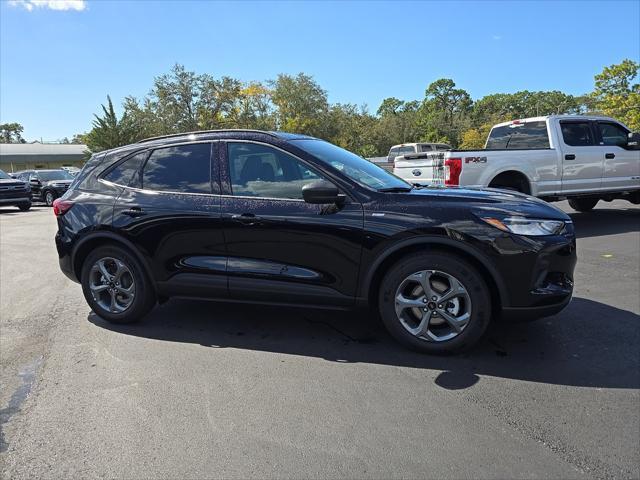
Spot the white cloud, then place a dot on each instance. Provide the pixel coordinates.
(77, 5)
(496, 37)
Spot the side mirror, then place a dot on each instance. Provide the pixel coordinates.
(320, 191)
(633, 142)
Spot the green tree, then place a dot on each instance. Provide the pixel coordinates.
(11, 133)
(617, 95)
(108, 131)
(444, 112)
(301, 104)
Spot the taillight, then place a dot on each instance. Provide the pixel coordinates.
(453, 169)
(60, 206)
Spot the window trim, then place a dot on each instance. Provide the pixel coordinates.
(225, 174)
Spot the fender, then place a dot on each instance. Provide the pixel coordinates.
(107, 235)
(434, 240)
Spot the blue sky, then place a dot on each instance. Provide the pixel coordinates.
(58, 64)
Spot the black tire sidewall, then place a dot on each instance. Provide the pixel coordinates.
(447, 263)
(24, 206)
(144, 299)
(583, 204)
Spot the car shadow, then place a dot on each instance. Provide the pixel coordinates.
(16, 210)
(589, 344)
(597, 223)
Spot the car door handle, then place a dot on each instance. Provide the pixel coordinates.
(570, 156)
(246, 219)
(134, 212)
(609, 155)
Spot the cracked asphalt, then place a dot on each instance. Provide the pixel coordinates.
(212, 390)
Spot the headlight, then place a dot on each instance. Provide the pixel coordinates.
(526, 226)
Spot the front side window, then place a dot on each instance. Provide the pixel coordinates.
(182, 169)
(127, 173)
(613, 134)
(261, 171)
(577, 134)
(361, 171)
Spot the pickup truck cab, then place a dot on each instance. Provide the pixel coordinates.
(410, 148)
(580, 158)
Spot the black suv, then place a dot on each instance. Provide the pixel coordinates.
(14, 192)
(252, 216)
(46, 185)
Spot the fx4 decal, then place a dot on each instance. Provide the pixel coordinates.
(475, 159)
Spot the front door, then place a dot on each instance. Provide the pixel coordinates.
(281, 248)
(170, 209)
(582, 160)
(621, 165)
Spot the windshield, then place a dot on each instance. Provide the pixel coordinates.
(356, 168)
(3, 176)
(48, 175)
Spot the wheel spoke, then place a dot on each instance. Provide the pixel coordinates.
(403, 302)
(457, 323)
(103, 270)
(423, 327)
(127, 292)
(120, 269)
(455, 289)
(98, 288)
(113, 305)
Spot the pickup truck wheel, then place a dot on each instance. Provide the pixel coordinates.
(583, 204)
(435, 303)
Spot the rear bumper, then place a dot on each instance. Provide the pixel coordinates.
(64, 257)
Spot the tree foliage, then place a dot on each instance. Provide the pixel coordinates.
(11, 133)
(182, 101)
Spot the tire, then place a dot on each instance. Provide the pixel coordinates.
(24, 206)
(440, 264)
(143, 299)
(48, 197)
(583, 204)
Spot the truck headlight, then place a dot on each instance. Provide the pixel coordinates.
(526, 226)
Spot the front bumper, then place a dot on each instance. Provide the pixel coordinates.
(14, 200)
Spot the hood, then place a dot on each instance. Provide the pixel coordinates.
(491, 200)
(12, 182)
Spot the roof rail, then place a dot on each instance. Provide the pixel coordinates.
(197, 132)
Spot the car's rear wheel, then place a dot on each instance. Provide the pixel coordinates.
(49, 197)
(24, 206)
(116, 286)
(435, 302)
(583, 204)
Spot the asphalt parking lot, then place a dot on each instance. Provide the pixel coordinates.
(203, 389)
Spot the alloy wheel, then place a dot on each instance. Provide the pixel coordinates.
(112, 284)
(433, 305)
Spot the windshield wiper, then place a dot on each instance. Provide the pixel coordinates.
(395, 189)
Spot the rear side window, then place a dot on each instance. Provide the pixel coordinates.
(128, 172)
(519, 136)
(406, 150)
(426, 148)
(183, 169)
(577, 134)
(613, 134)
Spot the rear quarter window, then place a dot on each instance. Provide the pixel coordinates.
(522, 136)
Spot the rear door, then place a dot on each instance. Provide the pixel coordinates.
(170, 209)
(281, 248)
(621, 165)
(582, 158)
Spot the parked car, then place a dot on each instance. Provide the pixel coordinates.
(14, 192)
(411, 148)
(73, 171)
(280, 218)
(584, 159)
(46, 185)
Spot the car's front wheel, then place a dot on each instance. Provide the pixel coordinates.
(435, 302)
(24, 206)
(116, 286)
(49, 197)
(583, 204)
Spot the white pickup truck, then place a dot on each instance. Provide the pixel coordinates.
(580, 158)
